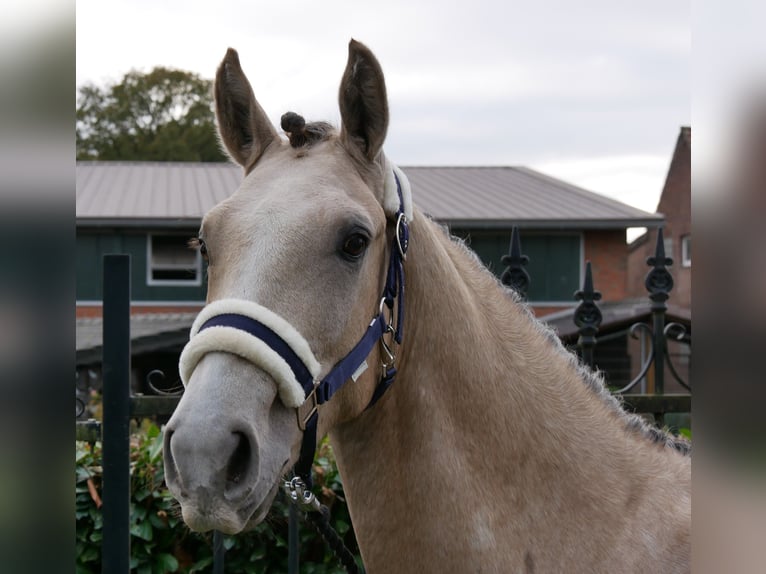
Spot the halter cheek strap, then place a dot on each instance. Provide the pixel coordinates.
(262, 337)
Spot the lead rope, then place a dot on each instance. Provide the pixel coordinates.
(319, 515)
(321, 521)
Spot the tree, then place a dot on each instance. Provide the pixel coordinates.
(163, 115)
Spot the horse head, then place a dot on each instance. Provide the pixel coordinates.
(302, 244)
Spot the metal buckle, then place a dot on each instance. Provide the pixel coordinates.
(402, 235)
(311, 401)
(390, 327)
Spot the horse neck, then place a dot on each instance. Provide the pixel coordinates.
(474, 359)
(486, 405)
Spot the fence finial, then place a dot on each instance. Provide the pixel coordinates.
(515, 276)
(659, 281)
(587, 316)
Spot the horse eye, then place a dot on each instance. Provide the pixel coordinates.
(199, 244)
(354, 245)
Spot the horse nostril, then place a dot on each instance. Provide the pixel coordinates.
(239, 461)
(167, 455)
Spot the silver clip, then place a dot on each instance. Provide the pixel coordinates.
(296, 489)
(390, 356)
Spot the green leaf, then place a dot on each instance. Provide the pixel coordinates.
(165, 563)
(155, 450)
(258, 554)
(157, 522)
(141, 493)
(153, 431)
(229, 542)
(142, 530)
(138, 512)
(89, 554)
(201, 565)
(341, 526)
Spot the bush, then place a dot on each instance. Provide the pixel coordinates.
(161, 542)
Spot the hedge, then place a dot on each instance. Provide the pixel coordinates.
(161, 542)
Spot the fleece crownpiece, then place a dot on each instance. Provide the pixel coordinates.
(391, 204)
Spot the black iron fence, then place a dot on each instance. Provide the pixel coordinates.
(119, 406)
(659, 331)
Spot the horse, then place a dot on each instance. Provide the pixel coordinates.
(492, 449)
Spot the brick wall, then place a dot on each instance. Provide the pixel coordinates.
(675, 205)
(85, 310)
(608, 252)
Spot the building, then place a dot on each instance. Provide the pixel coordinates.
(151, 210)
(618, 354)
(675, 207)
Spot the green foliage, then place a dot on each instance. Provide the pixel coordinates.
(161, 542)
(163, 115)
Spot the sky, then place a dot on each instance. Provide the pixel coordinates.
(593, 92)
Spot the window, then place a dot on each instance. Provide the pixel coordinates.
(555, 260)
(171, 261)
(668, 245)
(686, 251)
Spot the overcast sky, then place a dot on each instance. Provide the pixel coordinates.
(593, 92)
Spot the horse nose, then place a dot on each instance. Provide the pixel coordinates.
(209, 462)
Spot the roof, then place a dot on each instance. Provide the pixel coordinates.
(148, 332)
(166, 193)
(179, 194)
(494, 196)
(686, 133)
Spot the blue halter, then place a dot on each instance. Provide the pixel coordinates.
(318, 393)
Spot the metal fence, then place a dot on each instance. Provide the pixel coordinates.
(119, 406)
(660, 331)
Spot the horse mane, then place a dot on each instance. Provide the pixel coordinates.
(302, 134)
(592, 379)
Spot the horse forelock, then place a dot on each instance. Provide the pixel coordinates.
(592, 379)
(304, 135)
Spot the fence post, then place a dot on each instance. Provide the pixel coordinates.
(587, 316)
(659, 283)
(515, 276)
(219, 552)
(115, 548)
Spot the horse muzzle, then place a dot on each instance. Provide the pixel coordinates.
(215, 462)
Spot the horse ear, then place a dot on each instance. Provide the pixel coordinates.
(363, 102)
(244, 127)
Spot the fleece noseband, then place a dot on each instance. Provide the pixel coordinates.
(259, 335)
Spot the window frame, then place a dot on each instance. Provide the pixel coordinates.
(686, 241)
(571, 302)
(192, 282)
